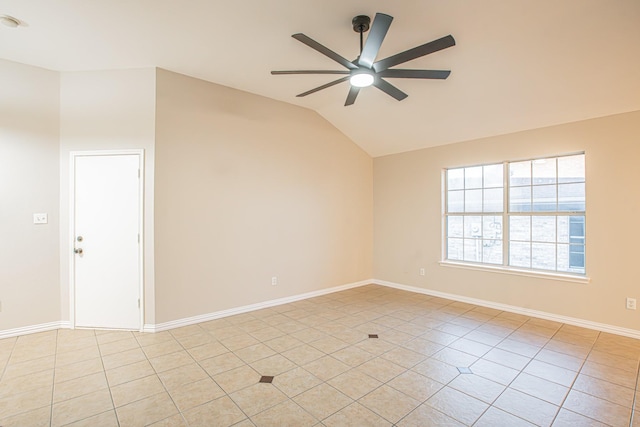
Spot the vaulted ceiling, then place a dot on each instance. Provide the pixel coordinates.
(517, 64)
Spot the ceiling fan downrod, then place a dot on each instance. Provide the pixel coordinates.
(361, 24)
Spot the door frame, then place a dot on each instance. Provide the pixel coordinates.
(72, 217)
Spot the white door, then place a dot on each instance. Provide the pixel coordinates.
(106, 241)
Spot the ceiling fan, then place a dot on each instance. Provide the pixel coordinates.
(365, 70)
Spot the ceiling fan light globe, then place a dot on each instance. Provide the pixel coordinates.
(361, 79)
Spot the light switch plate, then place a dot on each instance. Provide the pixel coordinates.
(40, 218)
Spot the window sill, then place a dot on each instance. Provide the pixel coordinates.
(517, 272)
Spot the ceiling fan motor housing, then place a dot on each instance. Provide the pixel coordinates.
(361, 23)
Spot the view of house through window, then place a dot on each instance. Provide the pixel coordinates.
(526, 214)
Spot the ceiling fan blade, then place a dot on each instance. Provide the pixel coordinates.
(416, 52)
(276, 73)
(375, 38)
(351, 97)
(324, 86)
(390, 89)
(415, 74)
(325, 51)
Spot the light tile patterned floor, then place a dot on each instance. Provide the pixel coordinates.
(326, 370)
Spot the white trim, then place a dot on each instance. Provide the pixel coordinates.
(247, 308)
(632, 333)
(34, 329)
(517, 271)
(71, 245)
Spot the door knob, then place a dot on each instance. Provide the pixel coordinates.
(78, 251)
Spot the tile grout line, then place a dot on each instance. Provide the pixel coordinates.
(194, 360)
(586, 359)
(13, 347)
(157, 376)
(104, 370)
(491, 405)
(208, 375)
(576, 378)
(635, 395)
(53, 385)
(429, 357)
(531, 360)
(322, 381)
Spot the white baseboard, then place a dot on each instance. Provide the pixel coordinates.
(247, 308)
(43, 327)
(632, 333)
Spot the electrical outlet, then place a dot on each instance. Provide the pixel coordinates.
(40, 218)
(631, 303)
(274, 281)
(422, 271)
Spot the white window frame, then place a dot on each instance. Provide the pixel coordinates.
(506, 215)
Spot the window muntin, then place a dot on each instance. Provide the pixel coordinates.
(544, 220)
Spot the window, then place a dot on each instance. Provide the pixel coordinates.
(526, 214)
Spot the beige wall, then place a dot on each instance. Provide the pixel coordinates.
(408, 218)
(248, 188)
(107, 110)
(29, 176)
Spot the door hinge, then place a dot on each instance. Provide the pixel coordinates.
(138, 302)
(138, 173)
(138, 237)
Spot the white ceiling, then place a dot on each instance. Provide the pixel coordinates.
(518, 64)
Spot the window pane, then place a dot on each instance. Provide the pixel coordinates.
(473, 177)
(473, 201)
(544, 198)
(563, 229)
(455, 201)
(493, 176)
(520, 173)
(543, 256)
(543, 229)
(576, 258)
(576, 229)
(520, 199)
(492, 251)
(472, 226)
(455, 179)
(563, 258)
(493, 199)
(544, 171)
(571, 169)
(454, 226)
(473, 250)
(492, 227)
(577, 270)
(520, 254)
(520, 228)
(571, 256)
(454, 249)
(571, 197)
